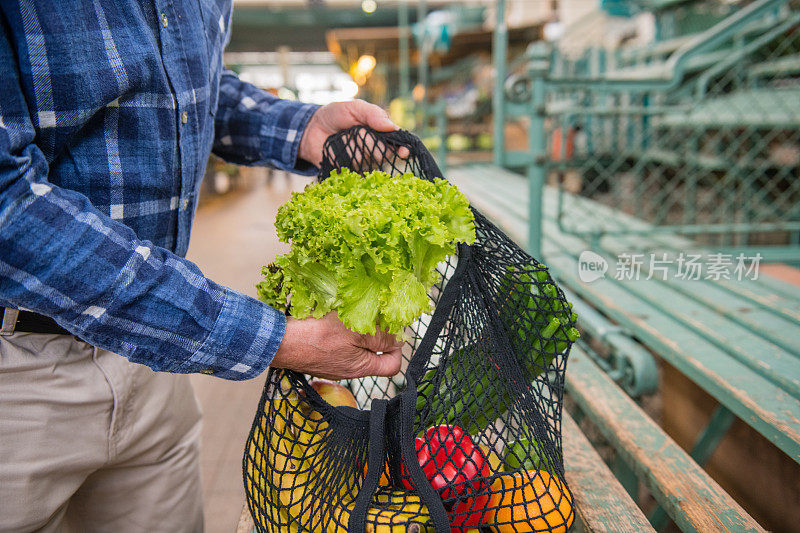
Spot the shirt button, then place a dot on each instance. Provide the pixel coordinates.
(164, 21)
(185, 204)
(184, 117)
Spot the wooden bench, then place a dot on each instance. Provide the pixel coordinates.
(740, 342)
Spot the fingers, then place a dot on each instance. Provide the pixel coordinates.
(378, 119)
(385, 364)
(381, 341)
(373, 116)
(341, 115)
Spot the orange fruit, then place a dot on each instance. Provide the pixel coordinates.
(528, 501)
(385, 480)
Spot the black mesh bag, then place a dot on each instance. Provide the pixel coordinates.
(466, 436)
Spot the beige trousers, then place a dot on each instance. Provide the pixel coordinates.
(90, 442)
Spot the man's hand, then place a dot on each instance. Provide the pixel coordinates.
(337, 116)
(326, 348)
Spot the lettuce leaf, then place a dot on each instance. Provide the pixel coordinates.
(366, 247)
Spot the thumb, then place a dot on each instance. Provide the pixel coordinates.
(373, 116)
(385, 364)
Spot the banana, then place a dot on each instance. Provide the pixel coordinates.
(287, 522)
(392, 497)
(298, 469)
(408, 504)
(285, 477)
(379, 518)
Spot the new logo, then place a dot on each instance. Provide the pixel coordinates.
(591, 266)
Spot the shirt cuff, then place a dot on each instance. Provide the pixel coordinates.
(301, 115)
(243, 341)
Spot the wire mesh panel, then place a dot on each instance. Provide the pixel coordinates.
(711, 152)
(467, 435)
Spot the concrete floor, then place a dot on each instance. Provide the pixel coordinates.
(233, 237)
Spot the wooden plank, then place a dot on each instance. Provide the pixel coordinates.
(757, 401)
(770, 294)
(778, 300)
(774, 317)
(692, 499)
(601, 503)
(764, 321)
(746, 343)
(782, 279)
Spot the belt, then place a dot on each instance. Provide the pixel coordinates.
(17, 320)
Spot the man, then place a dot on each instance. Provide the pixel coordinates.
(108, 112)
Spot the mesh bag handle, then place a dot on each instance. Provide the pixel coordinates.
(362, 150)
(467, 435)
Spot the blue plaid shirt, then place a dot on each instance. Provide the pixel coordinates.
(108, 112)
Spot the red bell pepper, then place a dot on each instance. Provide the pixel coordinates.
(457, 469)
(469, 512)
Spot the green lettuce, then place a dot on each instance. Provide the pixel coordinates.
(366, 247)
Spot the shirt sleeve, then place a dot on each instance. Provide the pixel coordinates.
(254, 127)
(61, 257)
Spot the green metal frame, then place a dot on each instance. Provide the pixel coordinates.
(534, 159)
(403, 48)
(764, 19)
(674, 70)
(422, 65)
(630, 365)
(499, 59)
(537, 145)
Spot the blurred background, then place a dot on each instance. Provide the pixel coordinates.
(684, 114)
